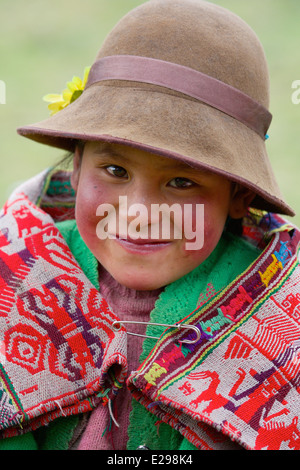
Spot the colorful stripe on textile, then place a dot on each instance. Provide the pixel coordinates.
(242, 377)
(58, 351)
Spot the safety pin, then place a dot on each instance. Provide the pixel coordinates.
(177, 325)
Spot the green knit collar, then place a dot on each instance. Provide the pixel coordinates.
(229, 259)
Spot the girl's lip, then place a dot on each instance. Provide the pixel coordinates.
(142, 245)
(142, 241)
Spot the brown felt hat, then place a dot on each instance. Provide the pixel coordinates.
(185, 79)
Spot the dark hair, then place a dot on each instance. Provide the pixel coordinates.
(65, 163)
(58, 196)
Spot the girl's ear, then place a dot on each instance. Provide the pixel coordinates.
(240, 202)
(76, 167)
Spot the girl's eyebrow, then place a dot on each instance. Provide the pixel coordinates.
(169, 163)
(107, 149)
(176, 165)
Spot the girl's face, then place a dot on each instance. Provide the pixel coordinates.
(137, 245)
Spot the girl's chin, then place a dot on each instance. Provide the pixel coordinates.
(151, 271)
(136, 283)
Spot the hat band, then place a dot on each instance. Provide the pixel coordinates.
(185, 80)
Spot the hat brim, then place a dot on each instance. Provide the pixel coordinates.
(170, 124)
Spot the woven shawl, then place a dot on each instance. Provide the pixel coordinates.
(59, 355)
(241, 380)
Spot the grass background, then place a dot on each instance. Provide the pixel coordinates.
(44, 43)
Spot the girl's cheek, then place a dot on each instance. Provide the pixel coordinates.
(206, 227)
(90, 195)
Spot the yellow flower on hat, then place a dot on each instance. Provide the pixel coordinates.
(70, 94)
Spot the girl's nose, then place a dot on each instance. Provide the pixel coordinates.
(145, 191)
(135, 210)
(145, 214)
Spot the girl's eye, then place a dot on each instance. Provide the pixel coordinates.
(117, 171)
(181, 183)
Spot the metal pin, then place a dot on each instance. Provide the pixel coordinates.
(117, 326)
(111, 413)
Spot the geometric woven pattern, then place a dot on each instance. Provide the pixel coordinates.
(241, 380)
(58, 349)
(60, 356)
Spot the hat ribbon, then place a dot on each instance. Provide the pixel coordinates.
(185, 80)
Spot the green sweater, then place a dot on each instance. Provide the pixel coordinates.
(231, 257)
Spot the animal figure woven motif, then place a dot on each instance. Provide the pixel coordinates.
(57, 345)
(241, 380)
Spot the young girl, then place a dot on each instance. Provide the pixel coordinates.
(150, 298)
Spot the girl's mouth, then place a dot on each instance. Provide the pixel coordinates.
(140, 245)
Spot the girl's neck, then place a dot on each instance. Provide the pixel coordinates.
(123, 300)
(132, 305)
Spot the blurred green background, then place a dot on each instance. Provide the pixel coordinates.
(44, 43)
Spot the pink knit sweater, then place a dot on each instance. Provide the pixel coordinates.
(131, 305)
